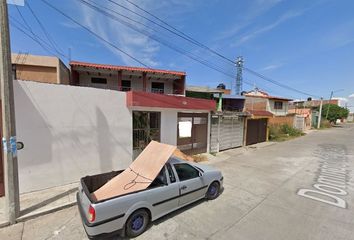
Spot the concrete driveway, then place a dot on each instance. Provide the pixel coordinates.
(300, 189)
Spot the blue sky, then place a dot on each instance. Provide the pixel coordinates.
(307, 45)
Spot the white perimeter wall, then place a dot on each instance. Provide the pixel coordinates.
(69, 132)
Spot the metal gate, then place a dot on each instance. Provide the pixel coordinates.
(256, 131)
(226, 132)
(192, 132)
(299, 122)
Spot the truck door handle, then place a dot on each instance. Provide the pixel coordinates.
(183, 187)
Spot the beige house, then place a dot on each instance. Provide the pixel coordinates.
(43, 69)
(260, 100)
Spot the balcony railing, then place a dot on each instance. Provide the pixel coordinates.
(124, 89)
(157, 90)
(152, 90)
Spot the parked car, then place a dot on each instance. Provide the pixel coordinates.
(178, 184)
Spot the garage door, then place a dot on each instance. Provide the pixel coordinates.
(230, 133)
(256, 131)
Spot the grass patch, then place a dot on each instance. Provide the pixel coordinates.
(280, 133)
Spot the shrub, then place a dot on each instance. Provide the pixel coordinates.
(291, 131)
(283, 132)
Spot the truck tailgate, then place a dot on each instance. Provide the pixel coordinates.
(83, 202)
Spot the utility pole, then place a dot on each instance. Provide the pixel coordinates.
(330, 98)
(329, 104)
(8, 120)
(239, 66)
(320, 114)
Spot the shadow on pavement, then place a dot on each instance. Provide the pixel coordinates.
(47, 201)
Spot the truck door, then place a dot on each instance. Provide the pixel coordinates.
(190, 183)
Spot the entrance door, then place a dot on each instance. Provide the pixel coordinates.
(256, 131)
(146, 127)
(192, 132)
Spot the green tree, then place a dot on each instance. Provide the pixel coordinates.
(335, 112)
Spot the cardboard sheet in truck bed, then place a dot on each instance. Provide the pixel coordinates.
(139, 175)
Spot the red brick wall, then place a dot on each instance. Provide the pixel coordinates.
(281, 120)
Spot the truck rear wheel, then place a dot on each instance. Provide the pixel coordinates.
(137, 223)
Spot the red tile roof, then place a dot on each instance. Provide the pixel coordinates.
(145, 99)
(268, 97)
(260, 113)
(117, 68)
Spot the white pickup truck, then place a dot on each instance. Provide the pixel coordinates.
(178, 184)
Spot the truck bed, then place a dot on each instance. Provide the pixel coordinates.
(92, 183)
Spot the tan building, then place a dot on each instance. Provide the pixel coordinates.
(40, 69)
(260, 100)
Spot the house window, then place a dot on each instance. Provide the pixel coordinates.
(157, 87)
(278, 105)
(126, 85)
(97, 80)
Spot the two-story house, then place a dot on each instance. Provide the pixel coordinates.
(227, 123)
(257, 100)
(265, 110)
(156, 98)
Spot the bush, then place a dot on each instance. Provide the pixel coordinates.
(325, 124)
(291, 131)
(283, 132)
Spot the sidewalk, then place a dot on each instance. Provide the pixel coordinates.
(45, 201)
(226, 154)
(42, 202)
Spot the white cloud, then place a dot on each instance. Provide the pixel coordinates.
(135, 44)
(256, 9)
(351, 95)
(283, 18)
(340, 36)
(271, 67)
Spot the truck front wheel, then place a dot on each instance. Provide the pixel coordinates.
(213, 191)
(137, 223)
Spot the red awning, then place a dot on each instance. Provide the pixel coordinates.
(145, 99)
(117, 68)
(260, 113)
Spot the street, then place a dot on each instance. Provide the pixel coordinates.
(275, 192)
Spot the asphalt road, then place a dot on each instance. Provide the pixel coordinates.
(299, 189)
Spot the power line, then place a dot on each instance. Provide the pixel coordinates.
(93, 33)
(209, 49)
(28, 27)
(174, 30)
(46, 33)
(33, 37)
(169, 45)
(277, 83)
(155, 38)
